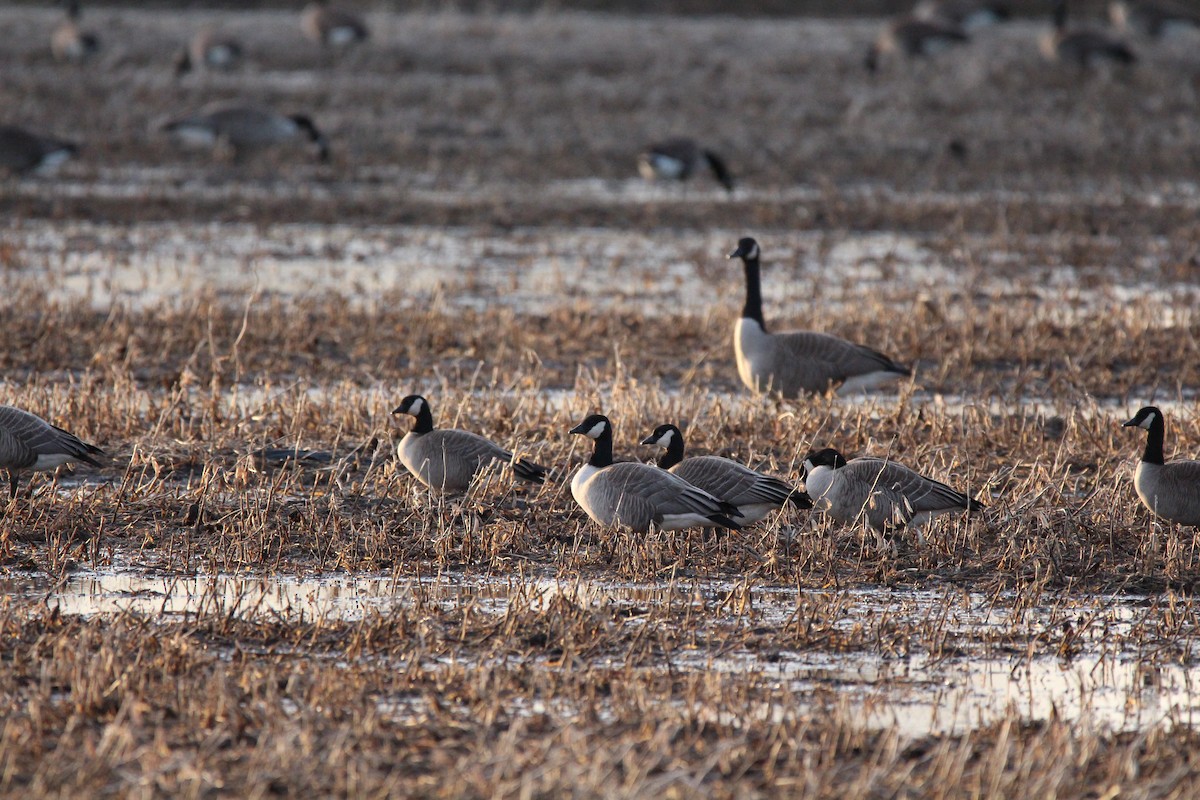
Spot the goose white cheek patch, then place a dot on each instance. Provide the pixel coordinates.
(596, 430)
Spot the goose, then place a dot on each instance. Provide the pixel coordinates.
(1172, 491)
(22, 151)
(208, 51)
(244, 128)
(970, 15)
(637, 496)
(882, 493)
(29, 442)
(915, 37)
(754, 494)
(447, 460)
(677, 160)
(798, 362)
(1083, 46)
(69, 42)
(1154, 17)
(327, 25)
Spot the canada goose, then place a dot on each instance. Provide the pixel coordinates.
(243, 129)
(208, 51)
(754, 494)
(29, 442)
(797, 362)
(327, 25)
(915, 37)
(882, 493)
(1172, 491)
(635, 495)
(1083, 46)
(448, 460)
(22, 151)
(1153, 17)
(70, 43)
(970, 15)
(677, 160)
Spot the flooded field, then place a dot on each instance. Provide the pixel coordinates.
(250, 596)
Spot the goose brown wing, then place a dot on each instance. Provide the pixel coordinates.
(27, 436)
(731, 481)
(664, 493)
(814, 360)
(905, 486)
(462, 452)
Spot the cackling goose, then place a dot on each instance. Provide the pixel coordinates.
(970, 15)
(208, 52)
(1083, 46)
(22, 151)
(799, 362)
(882, 493)
(243, 129)
(331, 26)
(678, 159)
(29, 442)
(1172, 491)
(448, 460)
(638, 496)
(754, 494)
(914, 37)
(69, 42)
(1154, 17)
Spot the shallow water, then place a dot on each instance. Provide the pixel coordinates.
(1002, 659)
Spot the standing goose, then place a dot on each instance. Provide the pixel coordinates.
(914, 37)
(754, 494)
(678, 159)
(881, 492)
(1083, 46)
(331, 26)
(798, 362)
(1172, 491)
(447, 460)
(1154, 17)
(69, 42)
(22, 151)
(243, 129)
(29, 442)
(210, 52)
(635, 495)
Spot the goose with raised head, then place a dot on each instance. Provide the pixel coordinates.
(243, 129)
(754, 494)
(332, 26)
(1172, 491)
(1155, 18)
(446, 459)
(678, 159)
(882, 493)
(207, 51)
(1083, 46)
(22, 151)
(28, 442)
(799, 362)
(914, 37)
(69, 42)
(638, 496)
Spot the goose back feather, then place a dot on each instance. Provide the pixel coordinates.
(28, 442)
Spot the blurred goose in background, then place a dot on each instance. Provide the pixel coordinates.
(335, 27)
(1171, 491)
(881, 493)
(244, 129)
(970, 15)
(22, 151)
(28, 442)
(678, 159)
(754, 494)
(799, 362)
(638, 496)
(1154, 17)
(69, 42)
(447, 460)
(914, 36)
(209, 52)
(1083, 46)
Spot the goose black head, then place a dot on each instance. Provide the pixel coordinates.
(412, 405)
(594, 427)
(305, 123)
(824, 458)
(747, 250)
(663, 436)
(1146, 418)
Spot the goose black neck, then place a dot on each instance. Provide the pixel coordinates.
(1154, 441)
(753, 308)
(424, 423)
(602, 453)
(674, 453)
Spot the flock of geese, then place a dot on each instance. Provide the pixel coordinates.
(699, 491)
(931, 27)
